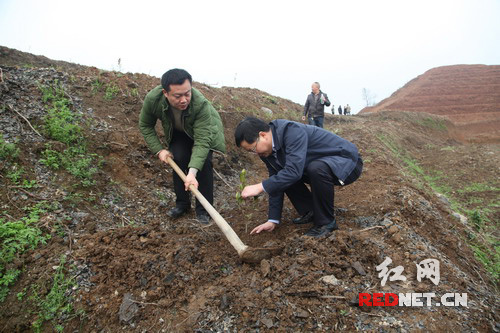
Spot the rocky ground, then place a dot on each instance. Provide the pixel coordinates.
(134, 269)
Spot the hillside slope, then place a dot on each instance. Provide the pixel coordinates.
(468, 95)
(115, 262)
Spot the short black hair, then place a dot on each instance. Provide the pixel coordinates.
(248, 130)
(175, 76)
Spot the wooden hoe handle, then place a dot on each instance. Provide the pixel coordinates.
(226, 229)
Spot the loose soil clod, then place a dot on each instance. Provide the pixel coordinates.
(256, 255)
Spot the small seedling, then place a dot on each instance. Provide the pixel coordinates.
(243, 183)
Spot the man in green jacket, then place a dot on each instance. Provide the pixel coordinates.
(193, 130)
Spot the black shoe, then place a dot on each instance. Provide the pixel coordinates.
(203, 218)
(177, 212)
(322, 230)
(306, 218)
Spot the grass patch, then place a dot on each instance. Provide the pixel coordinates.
(434, 123)
(401, 154)
(475, 201)
(431, 178)
(489, 258)
(448, 148)
(481, 237)
(478, 187)
(487, 247)
(270, 99)
(389, 143)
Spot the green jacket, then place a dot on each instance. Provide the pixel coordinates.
(200, 121)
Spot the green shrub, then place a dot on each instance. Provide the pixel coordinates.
(51, 158)
(111, 91)
(82, 167)
(477, 221)
(96, 86)
(14, 173)
(134, 92)
(8, 151)
(17, 237)
(434, 123)
(53, 92)
(6, 279)
(74, 160)
(271, 99)
(61, 124)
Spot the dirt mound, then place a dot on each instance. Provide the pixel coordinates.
(134, 269)
(468, 95)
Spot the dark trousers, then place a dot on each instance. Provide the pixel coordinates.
(320, 199)
(181, 146)
(316, 121)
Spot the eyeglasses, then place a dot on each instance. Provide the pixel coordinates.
(254, 148)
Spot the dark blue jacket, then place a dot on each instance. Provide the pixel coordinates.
(295, 146)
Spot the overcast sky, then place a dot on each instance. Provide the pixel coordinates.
(280, 47)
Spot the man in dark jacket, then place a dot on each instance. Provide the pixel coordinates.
(296, 154)
(193, 130)
(314, 108)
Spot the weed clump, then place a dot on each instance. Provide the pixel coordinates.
(18, 237)
(55, 304)
(8, 151)
(63, 124)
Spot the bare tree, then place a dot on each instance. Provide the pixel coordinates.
(368, 97)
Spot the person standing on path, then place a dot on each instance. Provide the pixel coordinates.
(314, 109)
(347, 110)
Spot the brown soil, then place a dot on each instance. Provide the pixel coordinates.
(139, 271)
(468, 95)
